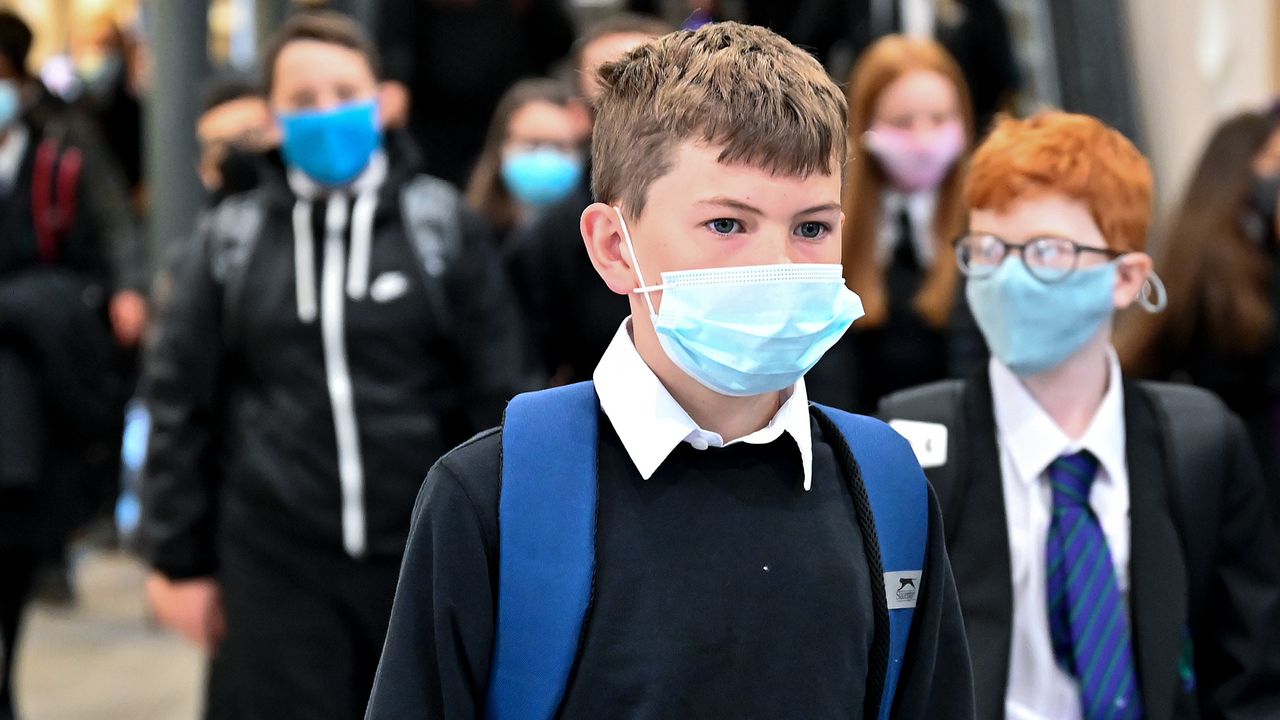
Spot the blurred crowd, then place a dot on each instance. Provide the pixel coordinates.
(390, 250)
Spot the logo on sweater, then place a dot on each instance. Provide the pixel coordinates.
(901, 589)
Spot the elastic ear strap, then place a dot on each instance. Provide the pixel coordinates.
(1153, 285)
(635, 262)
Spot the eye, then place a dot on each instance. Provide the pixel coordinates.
(812, 230)
(724, 226)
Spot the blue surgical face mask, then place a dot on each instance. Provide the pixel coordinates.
(745, 331)
(332, 146)
(10, 104)
(1033, 326)
(541, 177)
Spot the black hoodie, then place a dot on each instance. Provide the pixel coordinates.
(304, 400)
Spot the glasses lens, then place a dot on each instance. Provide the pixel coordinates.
(979, 255)
(1050, 259)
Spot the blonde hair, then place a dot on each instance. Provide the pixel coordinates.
(883, 63)
(761, 99)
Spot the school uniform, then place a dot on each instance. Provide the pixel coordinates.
(1186, 531)
(731, 578)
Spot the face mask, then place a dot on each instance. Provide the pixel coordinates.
(99, 72)
(332, 146)
(10, 104)
(541, 177)
(1032, 326)
(746, 331)
(911, 162)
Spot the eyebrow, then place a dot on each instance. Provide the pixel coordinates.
(745, 207)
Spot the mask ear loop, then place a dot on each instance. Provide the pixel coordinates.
(644, 288)
(1153, 286)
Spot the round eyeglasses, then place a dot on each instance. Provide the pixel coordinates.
(1048, 259)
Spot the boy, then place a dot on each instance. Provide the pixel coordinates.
(328, 336)
(736, 569)
(1110, 538)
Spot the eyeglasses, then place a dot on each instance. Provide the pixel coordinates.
(1048, 259)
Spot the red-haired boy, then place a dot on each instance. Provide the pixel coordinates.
(1109, 538)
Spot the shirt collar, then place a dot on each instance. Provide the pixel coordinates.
(12, 151)
(651, 424)
(1034, 440)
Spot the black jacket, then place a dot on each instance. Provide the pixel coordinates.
(1203, 555)
(272, 426)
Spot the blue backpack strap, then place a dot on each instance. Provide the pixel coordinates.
(898, 493)
(546, 559)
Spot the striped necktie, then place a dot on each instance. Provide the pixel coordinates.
(1088, 621)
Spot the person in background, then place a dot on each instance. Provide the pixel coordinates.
(532, 157)
(234, 129)
(328, 336)
(911, 127)
(974, 32)
(102, 55)
(1110, 538)
(1221, 261)
(61, 404)
(569, 315)
(448, 63)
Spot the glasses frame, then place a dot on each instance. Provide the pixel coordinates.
(1076, 250)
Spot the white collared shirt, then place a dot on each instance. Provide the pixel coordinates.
(1029, 442)
(12, 151)
(651, 423)
(920, 208)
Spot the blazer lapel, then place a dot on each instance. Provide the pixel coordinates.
(978, 544)
(1157, 576)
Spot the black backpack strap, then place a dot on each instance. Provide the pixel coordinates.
(231, 232)
(431, 211)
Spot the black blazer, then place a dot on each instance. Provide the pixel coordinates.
(1204, 568)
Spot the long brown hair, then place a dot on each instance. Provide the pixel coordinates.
(884, 62)
(487, 194)
(1217, 275)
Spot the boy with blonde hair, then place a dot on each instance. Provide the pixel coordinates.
(687, 537)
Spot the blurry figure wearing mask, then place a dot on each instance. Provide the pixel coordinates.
(102, 56)
(328, 335)
(532, 157)
(235, 129)
(910, 128)
(571, 317)
(60, 400)
(1221, 262)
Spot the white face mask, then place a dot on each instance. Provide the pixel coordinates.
(745, 331)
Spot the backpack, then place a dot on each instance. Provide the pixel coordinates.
(546, 517)
(54, 179)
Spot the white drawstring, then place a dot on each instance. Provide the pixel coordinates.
(361, 243)
(304, 261)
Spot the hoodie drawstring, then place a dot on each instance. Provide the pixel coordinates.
(304, 261)
(361, 243)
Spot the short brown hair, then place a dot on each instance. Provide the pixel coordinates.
(1066, 154)
(765, 101)
(326, 26)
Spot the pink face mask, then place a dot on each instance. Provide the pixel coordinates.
(915, 162)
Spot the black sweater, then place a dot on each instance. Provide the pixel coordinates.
(723, 590)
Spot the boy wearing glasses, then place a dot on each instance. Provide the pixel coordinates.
(1110, 541)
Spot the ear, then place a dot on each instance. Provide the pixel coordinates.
(602, 234)
(393, 104)
(1132, 270)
